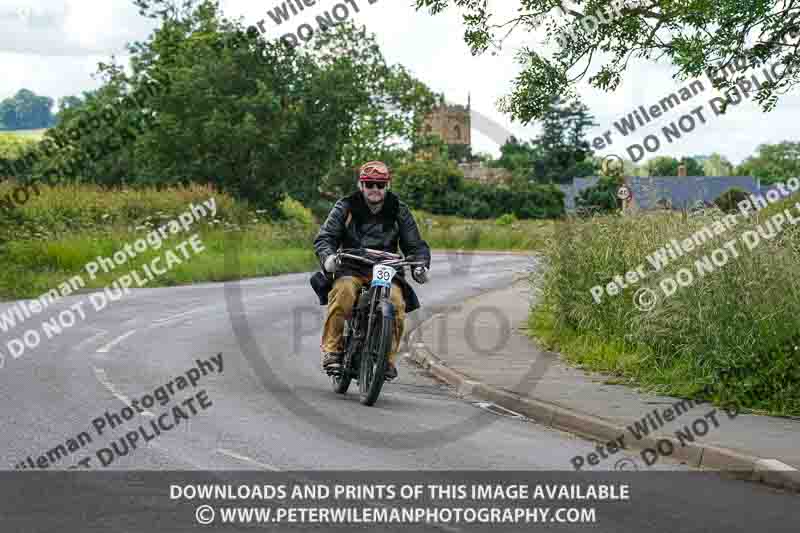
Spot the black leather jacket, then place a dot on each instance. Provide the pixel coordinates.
(391, 227)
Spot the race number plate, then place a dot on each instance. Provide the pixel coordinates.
(382, 276)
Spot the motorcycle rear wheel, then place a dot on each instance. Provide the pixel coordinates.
(341, 380)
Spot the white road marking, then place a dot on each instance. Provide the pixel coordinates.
(774, 464)
(247, 460)
(169, 320)
(162, 321)
(494, 408)
(306, 480)
(100, 374)
(116, 341)
(89, 340)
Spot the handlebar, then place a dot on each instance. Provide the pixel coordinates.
(383, 258)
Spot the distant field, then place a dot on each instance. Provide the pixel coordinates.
(36, 134)
(14, 143)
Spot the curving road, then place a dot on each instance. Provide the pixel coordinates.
(270, 408)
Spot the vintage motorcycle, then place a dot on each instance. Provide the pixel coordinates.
(369, 330)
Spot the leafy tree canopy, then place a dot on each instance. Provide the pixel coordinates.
(773, 162)
(26, 111)
(668, 166)
(564, 153)
(695, 36)
(258, 119)
(717, 165)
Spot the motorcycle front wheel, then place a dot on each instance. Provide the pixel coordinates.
(373, 358)
(341, 380)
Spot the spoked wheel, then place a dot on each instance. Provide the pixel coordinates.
(341, 381)
(373, 359)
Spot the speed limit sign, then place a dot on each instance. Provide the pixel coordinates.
(623, 193)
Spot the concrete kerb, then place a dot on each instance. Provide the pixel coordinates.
(724, 460)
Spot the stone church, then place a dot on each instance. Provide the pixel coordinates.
(453, 124)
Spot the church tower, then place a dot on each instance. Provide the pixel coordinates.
(453, 125)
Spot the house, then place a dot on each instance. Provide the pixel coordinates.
(675, 192)
(478, 171)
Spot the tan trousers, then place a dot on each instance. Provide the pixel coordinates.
(341, 300)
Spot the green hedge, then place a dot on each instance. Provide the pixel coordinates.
(439, 187)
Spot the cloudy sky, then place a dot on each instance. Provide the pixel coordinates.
(53, 46)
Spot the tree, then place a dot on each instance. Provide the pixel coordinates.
(564, 153)
(428, 184)
(258, 119)
(773, 162)
(517, 157)
(717, 165)
(26, 111)
(390, 115)
(484, 157)
(668, 166)
(601, 36)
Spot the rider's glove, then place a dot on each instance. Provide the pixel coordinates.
(420, 275)
(330, 263)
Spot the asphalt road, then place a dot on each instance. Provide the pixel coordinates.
(272, 409)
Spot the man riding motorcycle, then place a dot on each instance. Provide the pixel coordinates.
(380, 221)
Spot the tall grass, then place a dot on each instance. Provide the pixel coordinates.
(53, 235)
(732, 335)
(449, 232)
(14, 144)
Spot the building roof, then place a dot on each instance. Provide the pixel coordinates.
(685, 191)
(681, 191)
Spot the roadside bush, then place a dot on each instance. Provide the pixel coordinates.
(506, 220)
(603, 196)
(729, 200)
(439, 187)
(294, 211)
(427, 184)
